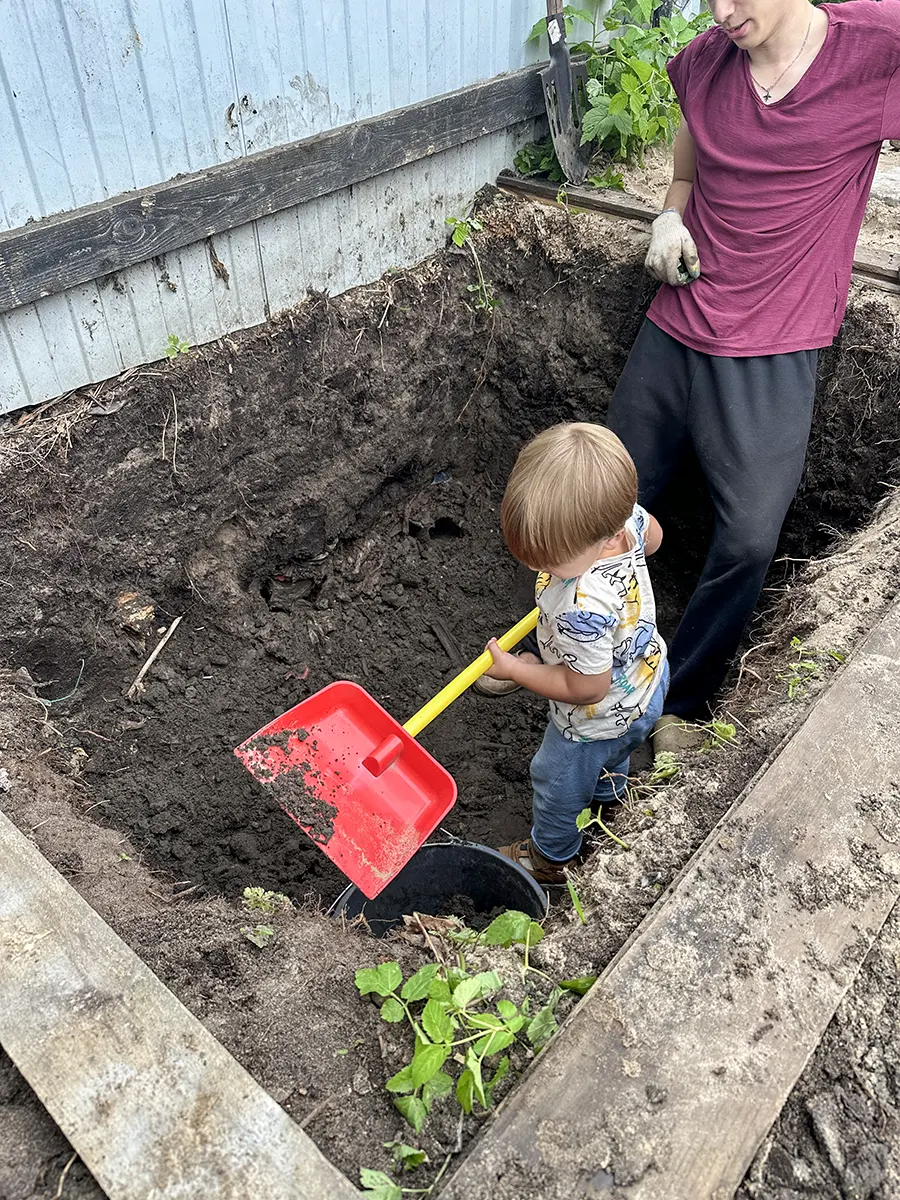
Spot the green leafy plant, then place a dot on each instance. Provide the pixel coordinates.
(610, 179)
(632, 104)
(571, 13)
(457, 1020)
(175, 346)
(406, 1157)
(805, 665)
(665, 766)
(482, 291)
(539, 158)
(259, 935)
(576, 900)
(586, 819)
(719, 734)
(257, 899)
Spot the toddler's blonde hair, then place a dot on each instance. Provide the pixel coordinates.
(574, 485)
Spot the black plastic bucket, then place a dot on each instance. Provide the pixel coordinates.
(438, 874)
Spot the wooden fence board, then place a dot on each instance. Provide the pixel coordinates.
(49, 256)
(669, 1074)
(154, 1105)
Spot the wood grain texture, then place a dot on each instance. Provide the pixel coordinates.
(154, 1105)
(50, 256)
(668, 1075)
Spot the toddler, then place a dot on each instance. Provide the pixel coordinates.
(570, 512)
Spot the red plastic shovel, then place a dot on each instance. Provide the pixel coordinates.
(357, 781)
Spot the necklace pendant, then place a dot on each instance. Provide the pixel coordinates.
(767, 96)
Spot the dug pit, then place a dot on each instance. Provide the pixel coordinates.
(318, 500)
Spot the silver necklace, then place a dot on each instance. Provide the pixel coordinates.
(767, 91)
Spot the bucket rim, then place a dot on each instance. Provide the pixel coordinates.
(452, 840)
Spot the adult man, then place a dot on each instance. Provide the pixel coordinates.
(784, 107)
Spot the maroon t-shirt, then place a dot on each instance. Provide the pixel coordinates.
(780, 189)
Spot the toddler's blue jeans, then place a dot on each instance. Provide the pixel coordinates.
(568, 777)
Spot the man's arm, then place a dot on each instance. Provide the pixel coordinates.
(672, 257)
(683, 174)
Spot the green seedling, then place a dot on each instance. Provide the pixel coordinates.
(719, 734)
(482, 292)
(257, 899)
(665, 766)
(805, 665)
(586, 819)
(378, 1186)
(406, 1157)
(259, 935)
(462, 228)
(576, 900)
(175, 346)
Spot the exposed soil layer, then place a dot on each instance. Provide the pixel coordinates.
(311, 498)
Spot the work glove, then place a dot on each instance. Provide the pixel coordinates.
(672, 257)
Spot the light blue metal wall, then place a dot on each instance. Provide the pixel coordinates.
(101, 96)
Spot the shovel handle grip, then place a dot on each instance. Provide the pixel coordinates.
(468, 675)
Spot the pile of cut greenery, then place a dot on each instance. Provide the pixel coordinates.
(632, 103)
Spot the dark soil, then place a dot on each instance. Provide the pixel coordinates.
(332, 492)
(470, 914)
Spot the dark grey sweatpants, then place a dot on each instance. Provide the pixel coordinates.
(748, 421)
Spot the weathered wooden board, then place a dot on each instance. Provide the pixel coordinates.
(154, 1105)
(670, 1072)
(882, 270)
(49, 256)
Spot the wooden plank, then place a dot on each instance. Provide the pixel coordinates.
(49, 256)
(153, 1104)
(668, 1075)
(877, 269)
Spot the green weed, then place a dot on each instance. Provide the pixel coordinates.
(665, 766)
(257, 899)
(576, 900)
(719, 734)
(586, 819)
(175, 346)
(804, 665)
(456, 1018)
(259, 935)
(482, 292)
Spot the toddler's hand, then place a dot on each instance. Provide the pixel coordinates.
(504, 662)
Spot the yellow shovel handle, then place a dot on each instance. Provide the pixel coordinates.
(467, 676)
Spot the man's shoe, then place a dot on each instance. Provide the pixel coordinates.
(674, 735)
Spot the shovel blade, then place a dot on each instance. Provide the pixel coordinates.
(313, 759)
(566, 101)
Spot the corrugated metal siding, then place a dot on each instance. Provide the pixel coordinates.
(101, 96)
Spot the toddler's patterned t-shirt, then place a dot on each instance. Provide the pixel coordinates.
(605, 619)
